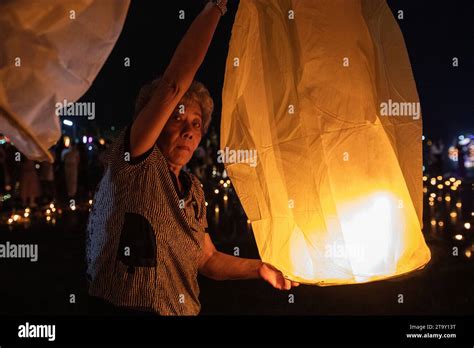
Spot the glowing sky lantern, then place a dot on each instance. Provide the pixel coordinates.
(324, 91)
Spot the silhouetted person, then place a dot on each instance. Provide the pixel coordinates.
(29, 183)
(436, 152)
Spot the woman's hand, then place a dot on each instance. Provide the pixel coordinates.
(273, 276)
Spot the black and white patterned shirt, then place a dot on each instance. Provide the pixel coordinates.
(144, 238)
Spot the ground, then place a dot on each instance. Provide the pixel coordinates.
(445, 286)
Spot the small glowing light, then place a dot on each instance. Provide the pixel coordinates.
(221, 181)
(468, 253)
(53, 209)
(433, 195)
(216, 209)
(101, 141)
(225, 185)
(73, 207)
(89, 140)
(448, 198)
(84, 139)
(440, 186)
(216, 191)
(37, 166)
(228, 182)
(441, 224)
(10, 221)
(452, 179)
(439, 177)
(422, 137)
(453, 214)
(90, 201)
(53, 221)
(458, 205)
(431, 199)
(48, 218)
(425, 190)
(67, 141)
(27, 210)
(433, 222)
(51, 205)
(447, 182)
(425, 178)
(439, 199)
(207, 204)
(48, 211)
(454, 188)
(26, 214)
(89, 148)
(433, 181)
(467, 225)
(225, 198)
(461, 137)
(16, 217)
(458, 237)
(431, 204)
(458, 182)
(429, 143)
(67, 123)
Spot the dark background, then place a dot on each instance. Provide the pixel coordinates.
(434, 31)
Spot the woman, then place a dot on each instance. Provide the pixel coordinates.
(147, 235)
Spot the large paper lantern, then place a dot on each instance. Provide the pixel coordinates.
(324, 93)
(51, 51)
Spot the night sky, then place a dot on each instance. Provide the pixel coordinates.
(434, 31)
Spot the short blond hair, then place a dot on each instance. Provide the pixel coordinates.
(197, 93)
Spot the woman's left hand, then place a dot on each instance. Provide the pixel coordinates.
(273, 276)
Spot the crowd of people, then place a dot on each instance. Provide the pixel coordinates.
(75, 172)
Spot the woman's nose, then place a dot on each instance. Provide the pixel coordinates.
(186, 131)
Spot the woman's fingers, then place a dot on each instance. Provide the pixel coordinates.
(287, 284)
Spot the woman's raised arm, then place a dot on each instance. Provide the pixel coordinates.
(176, 80)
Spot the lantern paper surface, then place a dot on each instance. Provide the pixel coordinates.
(320, 89)
(51, 51)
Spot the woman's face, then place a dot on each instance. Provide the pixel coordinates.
(181, 135)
